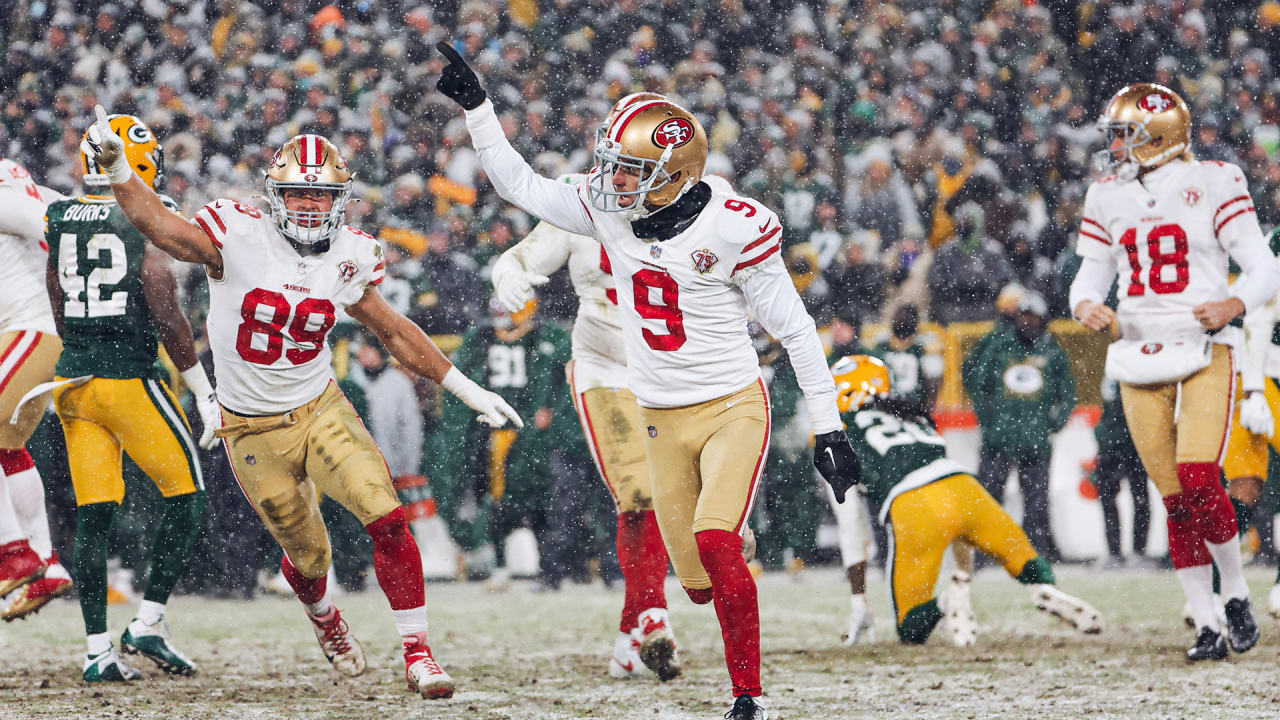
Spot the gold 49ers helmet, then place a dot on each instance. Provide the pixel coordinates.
(1152, 124)
(308, 162)
(623, 103)
(141, 149)
(662, 143)
(858, 379)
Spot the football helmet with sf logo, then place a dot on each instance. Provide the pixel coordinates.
(662, 142)
(309, 162)
(1153, 125)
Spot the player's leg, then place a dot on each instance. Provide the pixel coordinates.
(27, 358)
(345, 463)
(26, 492)
(1202, 442)
(853, 527)
(1106, 478)
(154, 432)
(919, 528)
(1138, 492)
(20, 565)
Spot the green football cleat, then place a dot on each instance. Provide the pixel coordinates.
(108, 667)
(153, 642)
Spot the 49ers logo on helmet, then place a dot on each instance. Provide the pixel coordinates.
(673, 133)
(1152, 348)
(1156, 102)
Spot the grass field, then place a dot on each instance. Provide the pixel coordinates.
(521, 655)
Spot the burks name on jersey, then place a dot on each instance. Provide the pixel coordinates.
(271, 310)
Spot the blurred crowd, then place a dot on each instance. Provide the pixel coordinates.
(921, 152)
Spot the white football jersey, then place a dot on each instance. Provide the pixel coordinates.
(24, 299)
(1169, 236)
(272, 309)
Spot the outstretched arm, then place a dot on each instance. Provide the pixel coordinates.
(163, 227)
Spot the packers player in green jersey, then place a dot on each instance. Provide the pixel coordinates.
(927, 501)
(114, 297)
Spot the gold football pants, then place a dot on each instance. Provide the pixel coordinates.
(1182, 422)
(27, 358)
(924, 521)
(615, 435)
(1246, 452)
(107, 416)
(705, 462)
(285, 462)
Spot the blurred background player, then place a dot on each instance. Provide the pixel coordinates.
(1118, 462)
(1167, 223)
(927, 501)
(29, 349)
(114, 295)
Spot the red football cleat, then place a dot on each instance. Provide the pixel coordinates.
(19, 565)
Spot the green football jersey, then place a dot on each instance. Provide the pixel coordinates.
(910, 370)
(896, 454)
(108, 330)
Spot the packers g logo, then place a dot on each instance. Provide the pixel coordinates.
(1156, 102)
(1024, 379)
(140, 134)
(673, 133)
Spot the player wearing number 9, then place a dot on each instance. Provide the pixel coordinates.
(1166, 223)
(276, 283)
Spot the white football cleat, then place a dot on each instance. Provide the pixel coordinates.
(338, 643)
(960, 625)
(658, 644)
(1068, 608)
(861, 624)
(1273, 601)
(625, 663)
(422, 672)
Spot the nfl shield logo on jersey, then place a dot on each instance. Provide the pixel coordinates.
(346, 271)
(655, 251)
(703, 260)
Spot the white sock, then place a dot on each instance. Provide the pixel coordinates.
(1227, 557)
(10, 528)
(411, 621)
(99, 643)
(321, 607)
(26, 492)
(1197, 585)
(150, 613)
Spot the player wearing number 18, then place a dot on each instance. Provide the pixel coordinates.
(276, 283)
(1167, 224)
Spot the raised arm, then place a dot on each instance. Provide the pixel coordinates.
(517, 183)
(168, 230)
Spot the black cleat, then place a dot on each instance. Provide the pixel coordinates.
(746, 708)
(1210, 645)
(1242, 629)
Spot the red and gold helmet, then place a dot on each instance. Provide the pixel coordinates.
(858, 379)
(141, 149)
(308, 162)
(623, 103)
(1153, 125)
(660, 141)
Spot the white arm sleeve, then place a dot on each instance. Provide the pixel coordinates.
(543, 251)
(853, 526)
(23, 215)
(1261, 280)
(1258, 324)
(1093, 282)
(773, 299)
(517, 183)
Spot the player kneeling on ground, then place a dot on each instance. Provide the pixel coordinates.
(927, 501)
(276, 284)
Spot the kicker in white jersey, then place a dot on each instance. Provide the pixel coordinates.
(24, 301)
(271, 310)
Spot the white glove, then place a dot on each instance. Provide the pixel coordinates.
(1255, 415)
(206, 404)
(515, 289)
(861, 625)
(494, 411)
(105, 148)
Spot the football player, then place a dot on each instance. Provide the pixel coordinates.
(688, 263)
(29, 348)
(1167, 224)
(927, 501)
(277, 281)
(113, 297)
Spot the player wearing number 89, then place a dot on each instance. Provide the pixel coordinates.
(113, 297)
(1166, 223)
(276, 284)
(689, 262)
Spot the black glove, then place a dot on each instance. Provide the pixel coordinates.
(458, 81)
(835, 459)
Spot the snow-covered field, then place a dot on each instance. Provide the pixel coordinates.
(521, 655)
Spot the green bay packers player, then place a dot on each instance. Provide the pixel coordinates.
(113, 296)
(927, 501)
(277, 281)
(1167, 224)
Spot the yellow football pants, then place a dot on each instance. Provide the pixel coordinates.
(1246, 452)
(106, 416)
(924, 521)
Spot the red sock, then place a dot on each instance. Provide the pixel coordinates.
(643, 559)
(736, 606)
(1202, 485)
(15, 461)
(308, 591)
(396, 561)
(1186, 544)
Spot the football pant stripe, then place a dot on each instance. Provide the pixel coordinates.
(1231, 393)
(174, 419)
(759, 470)
(585, 419)
(15, 355)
